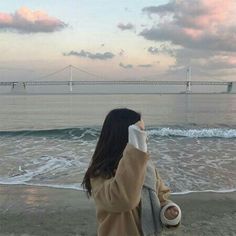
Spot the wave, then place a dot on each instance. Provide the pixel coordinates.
(60, 186)
(88, 133)
(195, 133)
(205, 191)
(67, 133)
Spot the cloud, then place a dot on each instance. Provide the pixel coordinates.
(93, 56)
(128, 66)
(208, 24)
(25, 20)
(204, 63)
(128, 26)
(200, 33)
(163, 49)
(145, 65)
(122, 52)
(219, 62)
(211, 61)
(153, 50)
(169, 7)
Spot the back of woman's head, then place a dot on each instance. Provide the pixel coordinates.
(111, 144)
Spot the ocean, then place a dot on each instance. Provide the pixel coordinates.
(48, 140)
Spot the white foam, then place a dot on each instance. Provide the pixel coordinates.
(198, 133)
(205, 191)
(76, 186)
(25, 175)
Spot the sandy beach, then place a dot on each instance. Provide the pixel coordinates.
(32, 210)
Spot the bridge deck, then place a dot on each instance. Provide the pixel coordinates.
(114, 82)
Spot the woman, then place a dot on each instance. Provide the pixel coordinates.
(116, 180)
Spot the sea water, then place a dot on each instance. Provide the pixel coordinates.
(49, 139)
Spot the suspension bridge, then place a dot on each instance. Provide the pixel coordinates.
(230, 86)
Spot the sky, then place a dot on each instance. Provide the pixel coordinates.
(118, 40)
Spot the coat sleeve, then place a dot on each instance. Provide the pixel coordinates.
(162, 190)
(123, 191)
(163, 194)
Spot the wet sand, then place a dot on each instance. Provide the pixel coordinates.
(32, 210)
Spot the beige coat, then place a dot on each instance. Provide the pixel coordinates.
(117, 199)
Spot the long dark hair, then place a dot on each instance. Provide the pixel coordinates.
(110, 146)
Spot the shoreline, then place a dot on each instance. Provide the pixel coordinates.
(80, 189)
(109, 94)
(39, 210)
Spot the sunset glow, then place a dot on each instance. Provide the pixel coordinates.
(119, 40)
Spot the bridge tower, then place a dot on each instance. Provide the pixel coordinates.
(71, 78)
(18, 87)
(188, 79)
(231, 87)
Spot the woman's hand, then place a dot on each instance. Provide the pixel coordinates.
(140, 124)
(171, 212)
(171, 215)
(137, 136)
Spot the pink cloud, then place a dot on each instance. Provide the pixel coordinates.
(205, 17)
(193, 33)
(219, 62)
(209, 24)
(232, 60)
(5, 18)
(208, 15)
(205, 30)
(25, 20)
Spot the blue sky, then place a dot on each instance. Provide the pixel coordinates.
(117, 39)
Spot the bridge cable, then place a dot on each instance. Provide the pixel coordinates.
(53, 73)
(84, 71)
